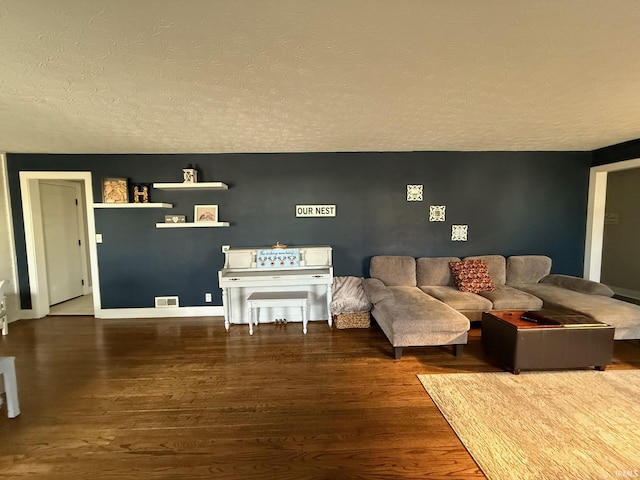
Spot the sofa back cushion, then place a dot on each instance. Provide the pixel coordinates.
(394, 271)
(496, 265)
(434, 271)
(522, 269)
(578, 284)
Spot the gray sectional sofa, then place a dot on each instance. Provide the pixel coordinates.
(416, 303)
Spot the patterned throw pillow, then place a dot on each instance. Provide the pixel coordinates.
(471, 276)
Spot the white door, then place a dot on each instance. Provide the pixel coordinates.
(62, 244)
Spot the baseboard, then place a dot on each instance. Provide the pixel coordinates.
(626, 292)
(18, 315)
(116, 313)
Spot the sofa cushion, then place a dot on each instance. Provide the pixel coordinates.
(471, 276)
(434, 270)
(527, 268)
(578, 284)
(394, 270)
(456, 299)
(497, 266)
(509, 298)
(414, 311)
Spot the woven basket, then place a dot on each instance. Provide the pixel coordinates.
(352, 320)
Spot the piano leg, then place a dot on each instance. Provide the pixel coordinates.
(225, 307)
(252, 314)
(305, 316)
(330, 320)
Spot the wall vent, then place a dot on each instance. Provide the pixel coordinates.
(167, 302)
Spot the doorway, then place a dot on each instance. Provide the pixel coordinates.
(620, 249)
(64, 239)
(596, 215)
(33, 186)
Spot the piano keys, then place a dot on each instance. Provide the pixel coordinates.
(262, 269)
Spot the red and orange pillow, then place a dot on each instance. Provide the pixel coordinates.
(471, 276)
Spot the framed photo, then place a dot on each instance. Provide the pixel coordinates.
(205, 213)
(115, 190)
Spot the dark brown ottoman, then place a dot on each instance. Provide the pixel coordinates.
(554, 340)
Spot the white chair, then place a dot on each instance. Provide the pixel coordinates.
(4, 322)
(8, 372)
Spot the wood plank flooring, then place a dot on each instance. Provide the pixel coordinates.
(181, 398)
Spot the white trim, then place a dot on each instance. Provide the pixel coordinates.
(29, 186)
(23, 315)
(13, 299)
(111, 313)
(595, 215)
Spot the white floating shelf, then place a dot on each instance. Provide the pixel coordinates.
(132, 205)
(192, 225)
(191, 186)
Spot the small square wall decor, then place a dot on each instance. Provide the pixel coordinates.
(115, 190)
(414, 193)
(459, 233)
(436, 213)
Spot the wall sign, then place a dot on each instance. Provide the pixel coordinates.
(278, 257)
(315, 210)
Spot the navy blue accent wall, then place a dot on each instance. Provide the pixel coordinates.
(513, 202)
(617, 153)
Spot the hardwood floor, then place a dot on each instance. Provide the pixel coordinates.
(181, 398)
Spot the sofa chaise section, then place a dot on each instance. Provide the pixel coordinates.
(416, 302)
(407, 315)
(589, 298)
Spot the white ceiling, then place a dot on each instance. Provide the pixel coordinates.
(126, 76)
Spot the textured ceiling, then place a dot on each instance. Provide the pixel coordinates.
(126, 76)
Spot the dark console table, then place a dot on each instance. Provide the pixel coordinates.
(551, 340)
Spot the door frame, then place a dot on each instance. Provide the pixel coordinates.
(34, 238)
(595, 215)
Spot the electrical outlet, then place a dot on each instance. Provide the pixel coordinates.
(207, 297)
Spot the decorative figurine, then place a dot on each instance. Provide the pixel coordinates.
(190, 174)
(141, 193)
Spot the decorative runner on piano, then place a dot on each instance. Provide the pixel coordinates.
(278, 258)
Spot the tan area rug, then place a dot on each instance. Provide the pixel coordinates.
(545, 425)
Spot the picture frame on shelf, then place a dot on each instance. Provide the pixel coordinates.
(115, 190)
(205, 213)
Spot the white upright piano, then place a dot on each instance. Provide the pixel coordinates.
(268, 269)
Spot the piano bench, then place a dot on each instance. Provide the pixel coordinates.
(277, 299)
